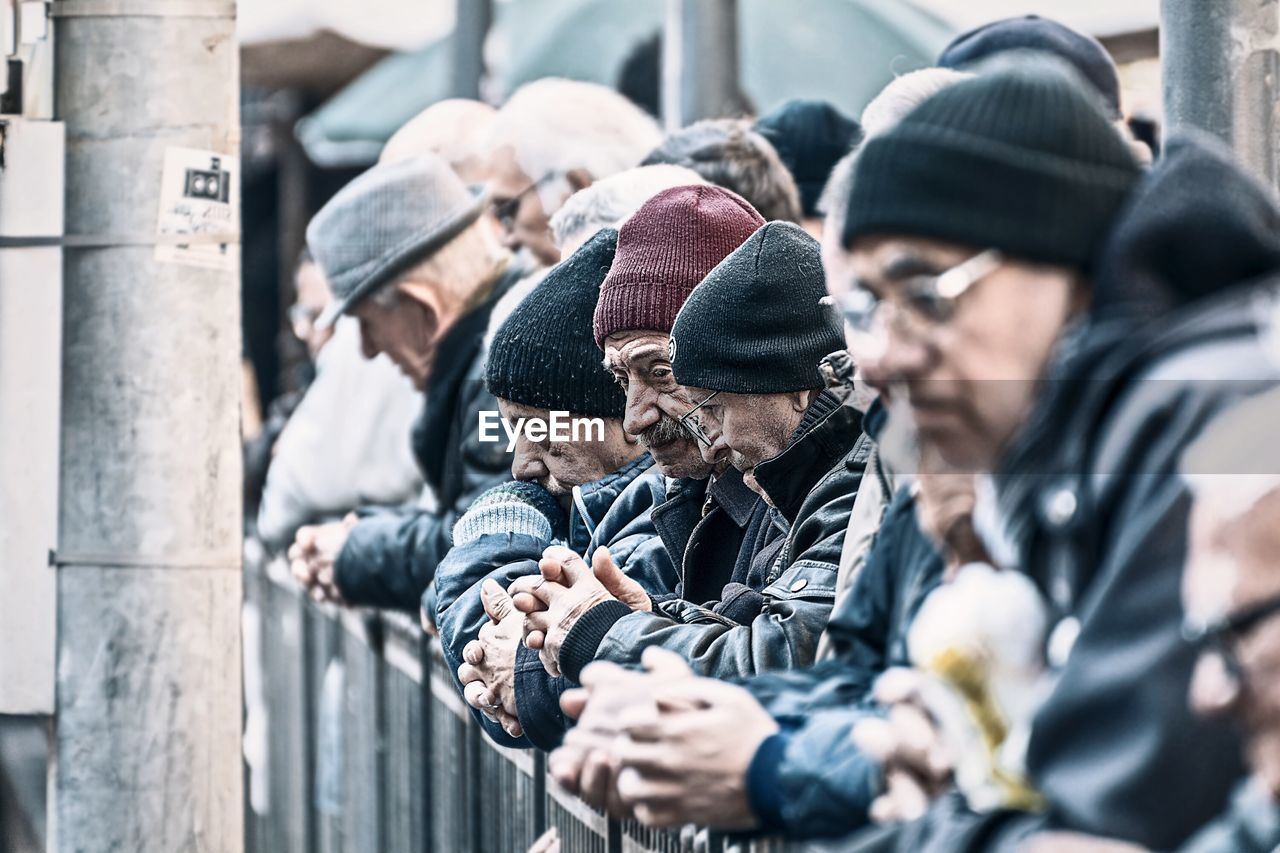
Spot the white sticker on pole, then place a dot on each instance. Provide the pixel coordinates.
(199, 197)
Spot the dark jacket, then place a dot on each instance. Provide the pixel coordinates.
(1252, 825)
(776, 603)
(809, 781)
(614, 512)
(1092, 507)
(390, 557)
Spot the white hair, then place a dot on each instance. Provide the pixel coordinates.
(1235, 462)
(455, 130)
(609, 201)
(555, 126)
(904, 94)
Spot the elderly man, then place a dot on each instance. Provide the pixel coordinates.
(608, 202)
(1231, 593)
(589, 490)
(746, 344)
(811, 137)
(729, 153)
(407, 255)
(551, 138)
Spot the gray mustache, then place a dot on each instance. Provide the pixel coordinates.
(665, 431)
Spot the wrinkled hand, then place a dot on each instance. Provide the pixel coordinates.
(684, 757)
(908, 746)
(554, 600)
(312, 556)
(586, 763)
(488, 671)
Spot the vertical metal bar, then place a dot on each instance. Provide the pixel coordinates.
(700, 61)
(147, 729)
(1220, 63)
(473, 19)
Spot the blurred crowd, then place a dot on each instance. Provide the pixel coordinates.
(927, 498)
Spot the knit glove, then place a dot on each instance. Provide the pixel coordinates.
(515, 507)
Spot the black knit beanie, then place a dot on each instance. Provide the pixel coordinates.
(1021, 160)
(810, 136)
(544, 355)
(754, 325)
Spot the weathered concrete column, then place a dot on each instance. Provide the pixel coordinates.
(1220, 63)
(700, 61)
(147, 745)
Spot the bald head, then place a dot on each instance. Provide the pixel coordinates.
(454, 130)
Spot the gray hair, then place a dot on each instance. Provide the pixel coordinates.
(556, 126)
(609, 201)
(454, 130)
(727, 152)
(904, 94)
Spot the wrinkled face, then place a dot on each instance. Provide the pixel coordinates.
(518, 206)
(747, 429)
(406, 331)
(1232, 565)
(640, 363)
(558, 466)
(971, 379)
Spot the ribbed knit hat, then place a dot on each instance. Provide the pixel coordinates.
(1019, 160)
(544, 355)
(664, 249)
(755, 325)
(1044, 35)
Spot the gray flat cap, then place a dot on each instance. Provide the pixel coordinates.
(384, 222)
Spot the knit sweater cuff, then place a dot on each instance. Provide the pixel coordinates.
(509, 508)
(584, 638)
(763, 789)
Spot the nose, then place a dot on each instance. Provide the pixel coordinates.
(368, 348)
(899, 358)
(717, 449)
(528, 466)
(641, 411)
(1214, 690)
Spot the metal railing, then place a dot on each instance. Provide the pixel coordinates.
(369, 747)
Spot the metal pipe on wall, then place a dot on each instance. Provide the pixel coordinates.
(1220, 63)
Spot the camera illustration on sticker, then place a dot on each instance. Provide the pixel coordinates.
(212, 184)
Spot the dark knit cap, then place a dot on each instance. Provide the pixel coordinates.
(810, 136)
(1031, 32)
(664, 249)
(1019, 160)
(755, 324)
(543, 355)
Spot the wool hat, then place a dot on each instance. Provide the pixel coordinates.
(810, 136)
(664, 249)
(384, 222)
(1019, 160)
(543, 355)
(1032, 32)
(756, 325)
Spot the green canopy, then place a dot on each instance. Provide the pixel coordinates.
(842, 50)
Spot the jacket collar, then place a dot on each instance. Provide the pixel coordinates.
(592, 501)
(456, 354)
(826, 434)
(734, 496)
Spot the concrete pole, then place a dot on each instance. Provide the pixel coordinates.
(700, 61)
(1220, 63)
(471, 24)
(147, 727)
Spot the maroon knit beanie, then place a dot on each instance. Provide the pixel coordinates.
(664, 250)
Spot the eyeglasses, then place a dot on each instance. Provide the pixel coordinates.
(1219, 638)
(507, 209)
(928, 300)
(693, 425)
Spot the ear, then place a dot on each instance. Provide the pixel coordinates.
(579, 179)
(426, 295)
(800, 400)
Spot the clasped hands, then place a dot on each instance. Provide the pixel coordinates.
(539, 610)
